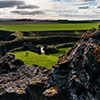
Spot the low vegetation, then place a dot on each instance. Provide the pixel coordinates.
(50, 27)
(31, 58)
(47, 61)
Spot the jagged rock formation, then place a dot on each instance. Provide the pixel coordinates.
(75, 77)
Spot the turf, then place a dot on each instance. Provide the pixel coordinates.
(40, 59)
(50, 27)
(34, 58)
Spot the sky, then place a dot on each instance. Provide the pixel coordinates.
(50, 9)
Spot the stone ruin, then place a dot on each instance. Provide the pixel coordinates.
(31, 47)
(2, 49)
(75, 77)
(39, 49)
(48, 50)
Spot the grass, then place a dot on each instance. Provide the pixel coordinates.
(21, 34)
(40, 59)
(50, 27)
(34, 58)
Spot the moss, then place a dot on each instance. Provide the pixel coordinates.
(85, 35)
(23, 80)
(62, 59)
(54, 89)
(21, 91)
(37, 80)
(96, 51)
(6, 81)
(88, 34)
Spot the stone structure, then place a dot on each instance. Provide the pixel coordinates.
(48, 50)
(2, 49)
(31, 47)
(75, 77)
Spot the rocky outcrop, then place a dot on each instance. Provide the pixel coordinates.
(76, 76)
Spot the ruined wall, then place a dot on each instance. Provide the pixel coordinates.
(2, 49)
(31, 47)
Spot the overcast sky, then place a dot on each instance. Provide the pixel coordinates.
(50, 9)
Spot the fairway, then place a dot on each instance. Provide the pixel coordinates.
(49, 27)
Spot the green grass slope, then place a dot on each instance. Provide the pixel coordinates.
(34, 58)
(50, 27)
(40, 59)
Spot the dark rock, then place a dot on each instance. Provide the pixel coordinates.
(31, 47)
(50, 50)
(19, 62)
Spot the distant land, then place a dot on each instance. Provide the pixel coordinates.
(57, 21)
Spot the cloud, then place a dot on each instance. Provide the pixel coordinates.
(96, 12)
(28, 12)
(5, 4)
(57, 0)
(46, 9)
(85, 7)
(88, 0)
(98, 6)
(27, 7)
(79, 16)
